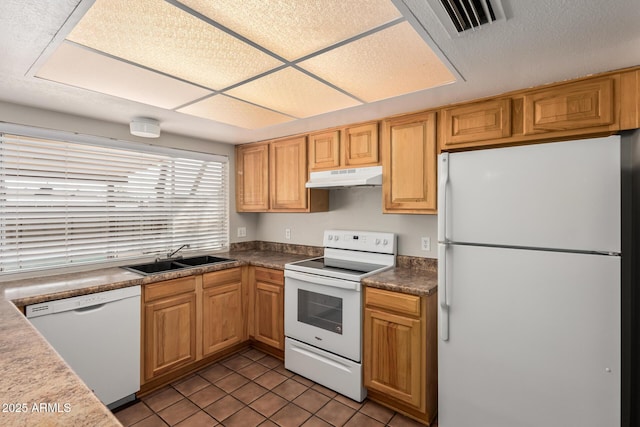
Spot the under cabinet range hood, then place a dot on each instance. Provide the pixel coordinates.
(354, 177)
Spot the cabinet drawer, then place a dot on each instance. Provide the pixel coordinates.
(393, 301)
(155, 291)
(215, 278)
(270, 275)
(571, 106)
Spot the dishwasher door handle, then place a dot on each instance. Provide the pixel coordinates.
(90, 308)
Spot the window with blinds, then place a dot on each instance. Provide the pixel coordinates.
(67, 203)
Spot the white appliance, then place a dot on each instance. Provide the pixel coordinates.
(353, 177)
(323, 308)
(530, 285)
(98, 335)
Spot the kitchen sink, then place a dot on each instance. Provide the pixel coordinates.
(175, 264)
(155, 267)
(202, 260)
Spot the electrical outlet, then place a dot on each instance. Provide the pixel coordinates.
(287, 233)
(425, 244)
(242, 231)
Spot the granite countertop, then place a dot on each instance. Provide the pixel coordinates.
(35, 378)
(406, 280)
(34, 374)
(412, 275)
(36, 381)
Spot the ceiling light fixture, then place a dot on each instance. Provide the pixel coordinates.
(145, 127)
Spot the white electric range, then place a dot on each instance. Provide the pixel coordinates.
(323, 308)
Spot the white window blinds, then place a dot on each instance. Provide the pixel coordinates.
(64, 203)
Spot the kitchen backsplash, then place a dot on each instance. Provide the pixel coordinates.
(403, 261)
(350, 209)
(289, 248)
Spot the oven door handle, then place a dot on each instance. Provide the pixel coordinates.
(318, 280)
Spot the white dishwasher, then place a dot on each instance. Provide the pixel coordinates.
(98, 335)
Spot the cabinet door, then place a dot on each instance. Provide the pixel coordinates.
(324, 150)
(288, 174)
(170, 334)
(221, 317)
(252, 178)
(269, 314)
(479, 121)
(409, 164)
(392, 356)
(572, 106)
(360, 146)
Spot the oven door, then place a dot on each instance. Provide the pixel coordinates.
(323, 312)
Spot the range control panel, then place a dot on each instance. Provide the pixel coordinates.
(367, 241)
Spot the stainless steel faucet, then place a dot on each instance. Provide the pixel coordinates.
(171, 254)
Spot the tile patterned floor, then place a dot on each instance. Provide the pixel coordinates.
(253, 389)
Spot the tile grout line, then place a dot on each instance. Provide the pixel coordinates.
(271, 367)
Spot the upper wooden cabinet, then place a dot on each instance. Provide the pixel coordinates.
(592, 106)
(271, 177)
(252, 177)
(353, 146)
(360, 146)
(478, 121)
(630, 100)
(288, 174)
(409, 164)
(324, 150)
(584, 104)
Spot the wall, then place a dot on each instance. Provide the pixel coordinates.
(355, 209)
(12, 113)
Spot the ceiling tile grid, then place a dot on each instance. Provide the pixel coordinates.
(391, 62)
(158, 35)
(293, 92)
(235, 112)
(277, 61)
(294, 28)
(80, 67)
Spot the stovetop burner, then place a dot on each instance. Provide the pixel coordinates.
(351, 255)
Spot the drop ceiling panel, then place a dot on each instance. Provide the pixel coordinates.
(293, 92)
(234, 112)
(391, 62)
(80, 67)
(158, 35)
(294, 28)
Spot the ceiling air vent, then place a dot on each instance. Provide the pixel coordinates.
(469, 14)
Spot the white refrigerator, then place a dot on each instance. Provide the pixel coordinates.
(529, 285)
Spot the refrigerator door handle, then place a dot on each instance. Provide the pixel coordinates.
(443, 169)
(443, 292)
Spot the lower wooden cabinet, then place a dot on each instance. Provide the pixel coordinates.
(222, 315)
(269, 307)
(190, 319)
(400, 352)
(169, 339)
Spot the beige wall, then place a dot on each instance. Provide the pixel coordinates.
(352, 209)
